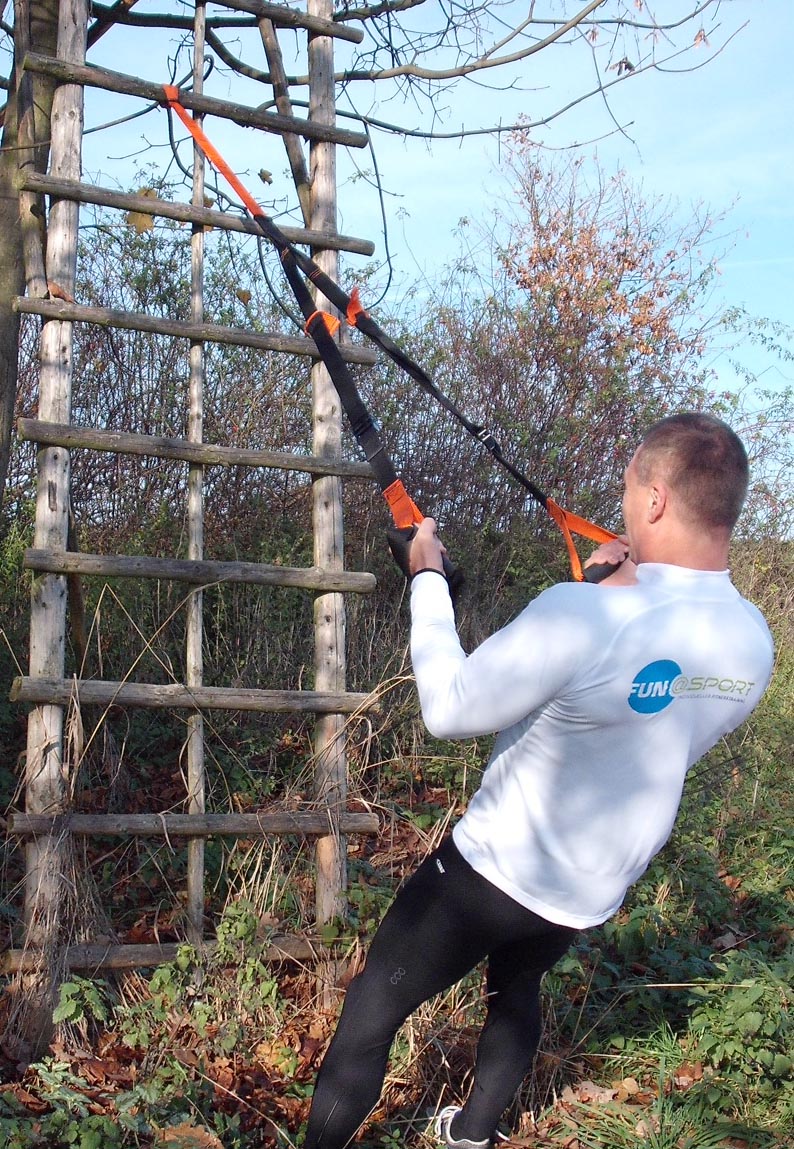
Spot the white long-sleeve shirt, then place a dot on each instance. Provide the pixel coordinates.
(603, 698)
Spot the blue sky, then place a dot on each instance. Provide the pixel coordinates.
(718, 135)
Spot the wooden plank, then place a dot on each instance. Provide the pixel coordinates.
(289, 18)
(109, 81)
(209, 332)
(284, 17)
(187, 213)
(259, 825)
(278, 948)
(198, 572)
(127, 443)
(156, 696)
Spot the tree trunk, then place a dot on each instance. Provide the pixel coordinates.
(194, 624)
(330, 785)
(27, 120)
(46, 773)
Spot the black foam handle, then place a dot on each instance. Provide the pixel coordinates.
(399, 539)
(454, 576)
(599, 571)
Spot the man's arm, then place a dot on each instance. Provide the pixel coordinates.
(511, 674)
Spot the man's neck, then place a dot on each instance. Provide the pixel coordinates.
(699, 554)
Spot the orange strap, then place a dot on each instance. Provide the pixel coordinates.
(568, 522)
(330, 322)
(403, 509)
(354, 308)
(209, 149)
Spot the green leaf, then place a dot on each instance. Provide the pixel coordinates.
(749, 1023)
(781, 1066)
(752, 995)
(67, 1009)
(329, 933)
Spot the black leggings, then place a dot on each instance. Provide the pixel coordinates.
(443, 922)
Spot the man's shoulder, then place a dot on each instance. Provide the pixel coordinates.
(590, 601)
(756, 617)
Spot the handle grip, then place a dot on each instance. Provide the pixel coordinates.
(399, 540)
(454, 576)
(599, 571)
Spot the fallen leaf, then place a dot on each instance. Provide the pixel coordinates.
(647, 1126)
(626, 1088)
(588, 1091)
(29, 1100)
(58, 292)
(310, 1047)
(222, 1074)
(726, 941)
(95, 1069)
(186, 1136)
(686, 1075)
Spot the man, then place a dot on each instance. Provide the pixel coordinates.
(604, 696)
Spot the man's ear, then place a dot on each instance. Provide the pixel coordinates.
(657, 501)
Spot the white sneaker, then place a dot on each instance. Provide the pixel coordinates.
(443, 1123)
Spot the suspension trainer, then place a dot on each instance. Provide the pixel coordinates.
(322, 327)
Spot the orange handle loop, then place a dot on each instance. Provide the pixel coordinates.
(354, 308)
(568, 522)
(330, 322)
(403, 509)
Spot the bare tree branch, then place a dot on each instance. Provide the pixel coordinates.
(121, 15)
(372, 12)
(484, 61)
(234, 62)
(524, 124)
(292, 144)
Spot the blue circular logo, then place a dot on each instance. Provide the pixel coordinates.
(652, 689)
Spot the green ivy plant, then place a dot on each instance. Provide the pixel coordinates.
(744, 1023)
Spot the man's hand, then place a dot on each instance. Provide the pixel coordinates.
(418, 548)
(614, 553)
(427, 551)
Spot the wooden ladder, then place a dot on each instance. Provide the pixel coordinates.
(48, 820)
